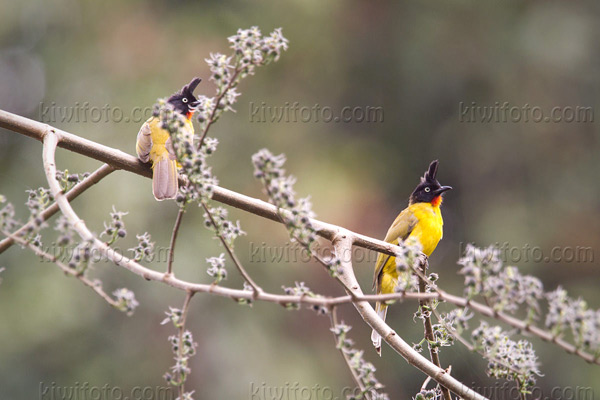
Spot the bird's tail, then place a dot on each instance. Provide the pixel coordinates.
(164, 179)
(375, 337)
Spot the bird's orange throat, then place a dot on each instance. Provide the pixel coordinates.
(437, 201)
(189, 115)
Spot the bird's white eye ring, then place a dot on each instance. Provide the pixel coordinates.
(427, 189)
(184, 99)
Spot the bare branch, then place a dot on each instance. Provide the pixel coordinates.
(231, 253)
(173, 240)
(338, 345)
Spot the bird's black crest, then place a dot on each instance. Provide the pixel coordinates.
(430, 175)
(190, 87)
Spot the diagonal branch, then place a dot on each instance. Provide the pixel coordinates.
(79, 188)
(231, 253)
(357, 380)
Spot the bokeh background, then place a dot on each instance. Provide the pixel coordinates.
(522, 183)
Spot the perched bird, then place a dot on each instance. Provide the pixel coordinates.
(154, 143)
(422, 221)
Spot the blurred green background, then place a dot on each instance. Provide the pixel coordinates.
(522, 183)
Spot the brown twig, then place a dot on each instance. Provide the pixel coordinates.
(184, 313)
(425, 306)
(338, 345)
(231, 253)
(171, 256)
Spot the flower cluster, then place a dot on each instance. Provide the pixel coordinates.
(7, 216)
(505, 288)
(216, 219)
(65, 232)
(254, 50)
(67, 181)
(183, 350)
(300, 289)
(408, 257)
(477, 265)
(280, 189)
(80, 258)
(126, 300)
(217, 268)
(507, 359)
(364, 370)
(457, 320)
(509, 289)
(115, 229)
(37, 201)
(584, 323)
(429, 394)
(144, 249)
(250, 50)
(174, 315)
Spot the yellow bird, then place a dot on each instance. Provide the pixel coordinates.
(421, 220)
(154, 143)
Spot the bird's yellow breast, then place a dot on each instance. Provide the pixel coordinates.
(429, 229)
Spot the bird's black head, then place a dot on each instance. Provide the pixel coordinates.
(184, 100)
(429, 189)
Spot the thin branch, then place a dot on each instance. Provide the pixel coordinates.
(95, 286)
(426, 305)
(211, 120)
(79, 188)
(338, 345)
(184, 313)
(173, 240)
(231, 253)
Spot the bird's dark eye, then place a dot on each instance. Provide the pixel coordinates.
(184, 99)
(427, 189)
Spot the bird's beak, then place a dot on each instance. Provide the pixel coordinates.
(443, 189)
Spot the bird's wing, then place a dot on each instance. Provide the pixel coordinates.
(143, 144)
(401, 228)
